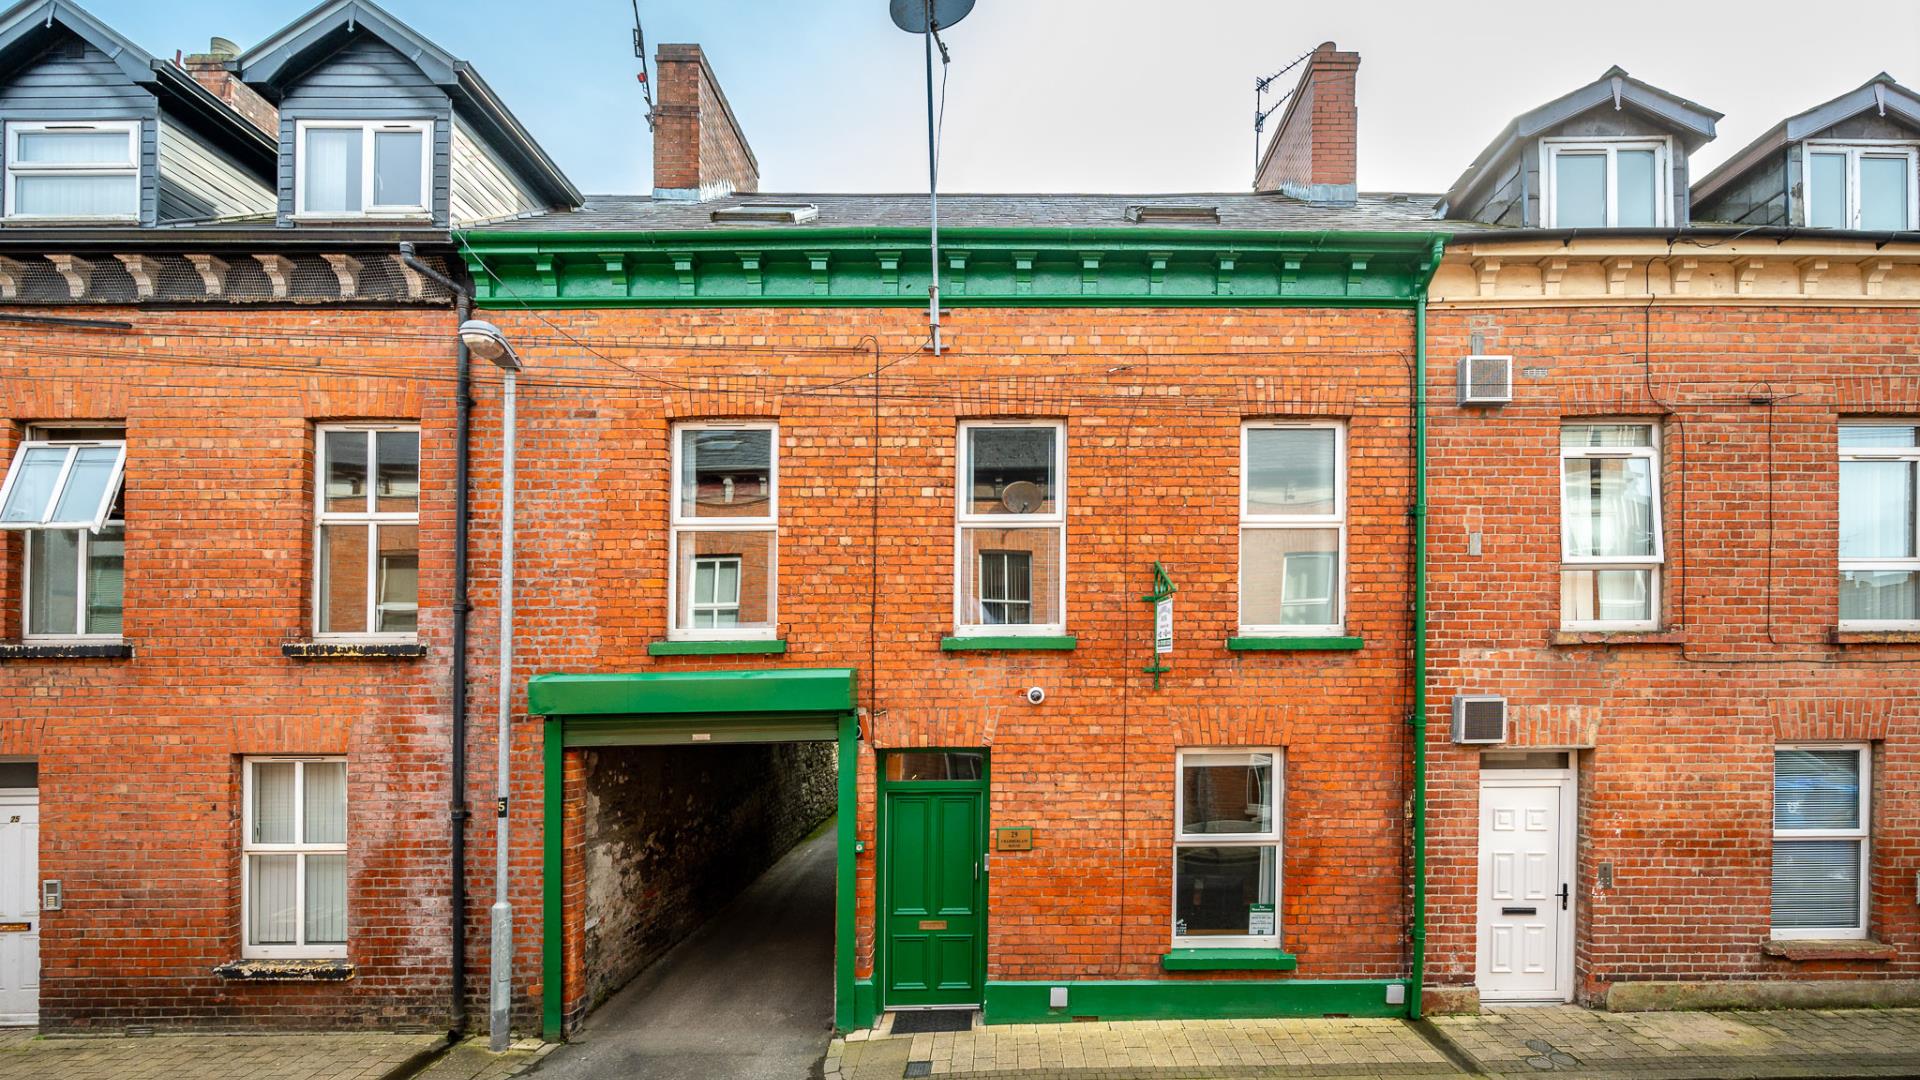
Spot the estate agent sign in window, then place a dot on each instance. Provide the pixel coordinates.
(367, 543)
(1293, 528)
(1820, 819)
(63, 489)
(1879, 526)
(295, 854)
(1012, 529)
(725, 533)
(1226, 852)
(1610, 526)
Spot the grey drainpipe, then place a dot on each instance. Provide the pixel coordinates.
(463, 423)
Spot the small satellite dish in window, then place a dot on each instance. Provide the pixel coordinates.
(1021, 497)
(911, 15)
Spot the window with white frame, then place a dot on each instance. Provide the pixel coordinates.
(1605, 183)
(63, 490)
(294, 857)
(1011, 523)
(1879, 525)
(1293, 527)
(1610, 525)
(367, 531)
(348, 168)
(1860, 185)
(725, 531)
(1226, 848)
(62, 170)
(1820, 825)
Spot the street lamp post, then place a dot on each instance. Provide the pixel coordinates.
(484, 340)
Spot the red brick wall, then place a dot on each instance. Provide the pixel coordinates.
(1676, 787)
(139, 759)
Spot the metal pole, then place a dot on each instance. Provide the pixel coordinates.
(933, 194)
(502, 950)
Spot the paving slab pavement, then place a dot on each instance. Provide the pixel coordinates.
(25, 1055)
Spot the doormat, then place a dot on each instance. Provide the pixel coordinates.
(921, 1021)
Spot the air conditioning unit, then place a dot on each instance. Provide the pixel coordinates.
(1486, 380)
(1479, 718)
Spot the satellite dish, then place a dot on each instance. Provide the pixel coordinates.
(1021, 497)
(911, 15)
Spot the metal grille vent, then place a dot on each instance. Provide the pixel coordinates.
(1479, 718)
(1486, 380)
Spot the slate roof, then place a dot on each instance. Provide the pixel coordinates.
(1374, 212)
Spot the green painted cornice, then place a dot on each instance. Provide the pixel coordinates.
(845, 267)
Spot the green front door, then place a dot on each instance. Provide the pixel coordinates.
(935, 895)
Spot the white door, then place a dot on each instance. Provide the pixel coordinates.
(1526, 888)
(19, 908)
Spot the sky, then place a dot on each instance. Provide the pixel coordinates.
(1101, 95)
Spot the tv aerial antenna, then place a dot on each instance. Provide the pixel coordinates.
(927, 18)
(640, 50)
(1261, 87)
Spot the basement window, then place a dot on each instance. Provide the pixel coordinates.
(295, 858)
(63, 490)
(1820, 820)
(779, 213)
(1226, 850)
(1173, 214)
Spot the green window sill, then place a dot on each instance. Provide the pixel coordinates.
(1294, 644)
(1228, 960)
(1010, 643)
(716, 648)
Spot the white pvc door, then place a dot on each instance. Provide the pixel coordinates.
(19, 909)
(1526, 921)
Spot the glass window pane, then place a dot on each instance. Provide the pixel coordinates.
(273, 783)
(324, 810)
(1883, 191)
(1816, 789)
(346, 471)
(1879, 595)
(1816, 884)
(74, 148)
(1638, 200)
(273, 895)
(1226, 793)
(326, 899)
(106, 577)
(1606, 596)
(330, 180)
(1876, 509)
(1030, 565)
(1216, 889)
(1574, 436)
(1289, 577)
(398, 588)
(1579, 190)
(1608, 504)
(396, 168)
(52, 592)
(87, 483)
(726, 472)
(1011, 470)
(343, 579)
(725, 579)
(1827, 191)
(75, 195)
(1291, 470)
(1900, 435)
(397, 482)
(934, 765)
(33, 481)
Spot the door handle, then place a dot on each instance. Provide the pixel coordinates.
(1563, 896)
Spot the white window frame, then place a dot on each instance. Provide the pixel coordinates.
(373, 520)
(1855, 149)
(1273, 838)
(1863, 834)
(1656, 562)
(47, 437)
(717, 607)
(368, 208)
(1551, 149)
(1296, 522)
(248, 848)
(679, 522)
(965, 521)
(980, 582)
(1909, 454)
(131, 128)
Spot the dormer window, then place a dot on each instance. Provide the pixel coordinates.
(349, 168)
(1867, 186)
(1605, 184)
(63, 171)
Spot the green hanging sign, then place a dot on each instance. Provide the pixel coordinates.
(1162, 600)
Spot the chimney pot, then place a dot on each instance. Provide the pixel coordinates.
(1313, 154)
(699, 151)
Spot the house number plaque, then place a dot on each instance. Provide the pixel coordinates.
(1013, 839)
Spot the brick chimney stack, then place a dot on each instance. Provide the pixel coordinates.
(1312, 154)
(699, 151)
(209, 69)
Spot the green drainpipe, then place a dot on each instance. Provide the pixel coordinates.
(1419, 936)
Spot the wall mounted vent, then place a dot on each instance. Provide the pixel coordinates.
(780, 213)
(1479, 718)
(1486, 380)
